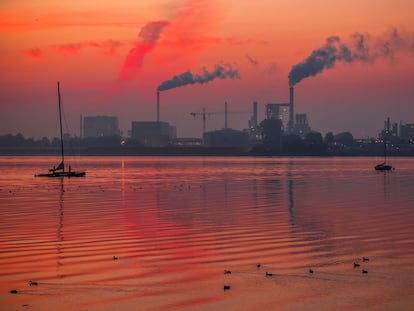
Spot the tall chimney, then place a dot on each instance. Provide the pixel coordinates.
(80, 129)
(225, 115)
(158, 106)
(291, 112)
(254, 115)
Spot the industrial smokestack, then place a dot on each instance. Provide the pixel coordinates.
(291, 111)
(80, 129)
(254, 123)
(225, 115)
(158, 106)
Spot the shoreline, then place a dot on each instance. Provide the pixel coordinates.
(189, 151)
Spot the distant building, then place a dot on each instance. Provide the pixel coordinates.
(301, 127)
(253, 130)
(226, 138)
(390, 132)
(407, 131)
(100, 126)
(153, 133)
(187, 141)
(278, 111)
(253, 119)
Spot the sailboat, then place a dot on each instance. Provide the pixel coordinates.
(384, 166)
(60, 171)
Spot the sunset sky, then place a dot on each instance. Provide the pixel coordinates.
(111, 56)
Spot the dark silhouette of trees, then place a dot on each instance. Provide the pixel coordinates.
(105, 141)
(329, 138)
(44, 142)
(10, 140)
(345, 138)
(273, 143)
(293, 144)
(314, 143)
(18, 141)
(271, 130)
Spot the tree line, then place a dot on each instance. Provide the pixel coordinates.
(274, 142)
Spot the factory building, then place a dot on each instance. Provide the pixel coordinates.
(278, 111)
(302, 127)
(253, 118)
(282, 111)
(285, 113)
(226, 137)
(155, 134)
(100, 126)
(407, 131)
(390, 132)
(253, 129)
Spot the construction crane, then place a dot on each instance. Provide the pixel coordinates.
(204, 114)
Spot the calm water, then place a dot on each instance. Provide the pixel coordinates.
(176, 223)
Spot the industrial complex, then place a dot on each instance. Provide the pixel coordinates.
(162, 134)
(159, 133)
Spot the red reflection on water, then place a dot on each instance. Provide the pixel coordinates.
(176, 224)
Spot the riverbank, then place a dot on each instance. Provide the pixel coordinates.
(191, 151)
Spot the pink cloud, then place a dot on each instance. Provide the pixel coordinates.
(191, 29)
(35, 53)
(234, 41)
(108, 47)
(147, 39)
(70, 48)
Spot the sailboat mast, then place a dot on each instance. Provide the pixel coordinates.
(60, 122)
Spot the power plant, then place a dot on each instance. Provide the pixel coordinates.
(158, 133)
(285, 113)
(291, 111)
(158, 106)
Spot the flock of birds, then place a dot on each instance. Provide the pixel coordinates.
(311, 271)
(225, 287)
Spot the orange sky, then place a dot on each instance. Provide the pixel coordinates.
(110, 58)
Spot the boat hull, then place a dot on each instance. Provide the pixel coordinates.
(62, 174)
(383, 167)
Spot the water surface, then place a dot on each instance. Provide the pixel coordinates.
(176, 223)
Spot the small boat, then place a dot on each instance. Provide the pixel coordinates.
(53, 173)
(60, 171)
(384, 166)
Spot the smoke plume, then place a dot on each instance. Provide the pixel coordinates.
(363, 48)
(220, 71)
(251, 60)
(147, 39)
